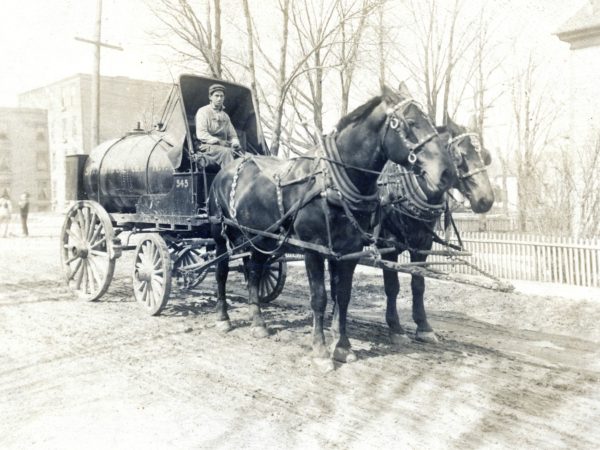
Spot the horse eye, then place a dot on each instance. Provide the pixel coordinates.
(411, 122)
(458, 154)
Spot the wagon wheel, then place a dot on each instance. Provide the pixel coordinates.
(88, 250)
(272, 281)
(152, 273)
(188, 257)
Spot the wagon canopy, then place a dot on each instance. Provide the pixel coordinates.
(238, 104)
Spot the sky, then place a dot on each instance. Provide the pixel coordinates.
(37, 44)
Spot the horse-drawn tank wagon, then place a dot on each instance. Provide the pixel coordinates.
(153, 185)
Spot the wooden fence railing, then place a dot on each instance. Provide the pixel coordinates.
(480, 223)
(534, 258)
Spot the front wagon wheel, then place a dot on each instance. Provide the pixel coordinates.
(152, 273)
(272, 281)
(88, 250)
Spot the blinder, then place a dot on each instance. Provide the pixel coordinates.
(396, 120)
(458, 156)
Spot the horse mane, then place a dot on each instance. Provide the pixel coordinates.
(359, 113)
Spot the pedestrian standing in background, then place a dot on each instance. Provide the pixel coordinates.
(5, 212)
(24, 210)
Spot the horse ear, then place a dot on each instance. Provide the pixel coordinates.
(388, 95)
(473, 122)
(486, 156)
(452, 126)
(403, 90)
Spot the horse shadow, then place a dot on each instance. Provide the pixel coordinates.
(292, 324)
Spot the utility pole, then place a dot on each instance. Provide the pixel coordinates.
(95, 129)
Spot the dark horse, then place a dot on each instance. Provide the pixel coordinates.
(321, 204)
(410, 221)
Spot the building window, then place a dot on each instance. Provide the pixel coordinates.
(63, 103)
(41, 161)
(3, 130)
(42, 191)
(40, 136)
(74, 127)
(64, 130)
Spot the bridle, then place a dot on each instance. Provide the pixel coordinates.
(452, 148)
(396, 120)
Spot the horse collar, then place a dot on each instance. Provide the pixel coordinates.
(335, 170)
(411, 200)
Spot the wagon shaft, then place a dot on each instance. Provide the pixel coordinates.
(425, 271)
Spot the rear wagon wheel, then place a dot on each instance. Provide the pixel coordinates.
(272, 281)
(152, 273)
(189, 257)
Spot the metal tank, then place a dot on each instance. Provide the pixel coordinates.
(119, 172)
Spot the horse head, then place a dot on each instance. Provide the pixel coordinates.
(471, 161)
(413, 131)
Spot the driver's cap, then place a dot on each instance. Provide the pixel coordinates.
(214, 88)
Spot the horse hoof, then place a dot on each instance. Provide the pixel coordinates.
(428, 337)
(399, 339)
(260, 332)
(325, 365)
(344, 355)
(223, 326)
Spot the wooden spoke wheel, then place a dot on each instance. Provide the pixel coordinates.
(188, 257)
(272, 281)
(152, 273)
(88, 251)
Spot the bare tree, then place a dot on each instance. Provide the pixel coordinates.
(281, 81)
(251, 64)
(583, 171)
(485, 64)
(533, 120)
(350, 41)
(380, 44)
(198, 40)
(443, 42)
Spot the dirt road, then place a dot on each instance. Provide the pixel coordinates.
(510, 370)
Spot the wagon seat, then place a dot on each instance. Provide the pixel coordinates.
(238, 105)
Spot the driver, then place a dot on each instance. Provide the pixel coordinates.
(214, 130)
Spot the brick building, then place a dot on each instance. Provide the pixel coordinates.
(24, 162)
(124, 102)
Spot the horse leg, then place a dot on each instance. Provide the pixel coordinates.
(417, 283)
(344, 271)
(332, 288)
(315, 271)
(335, 311)
(255, 268)
(391, 284)
(221, 272)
